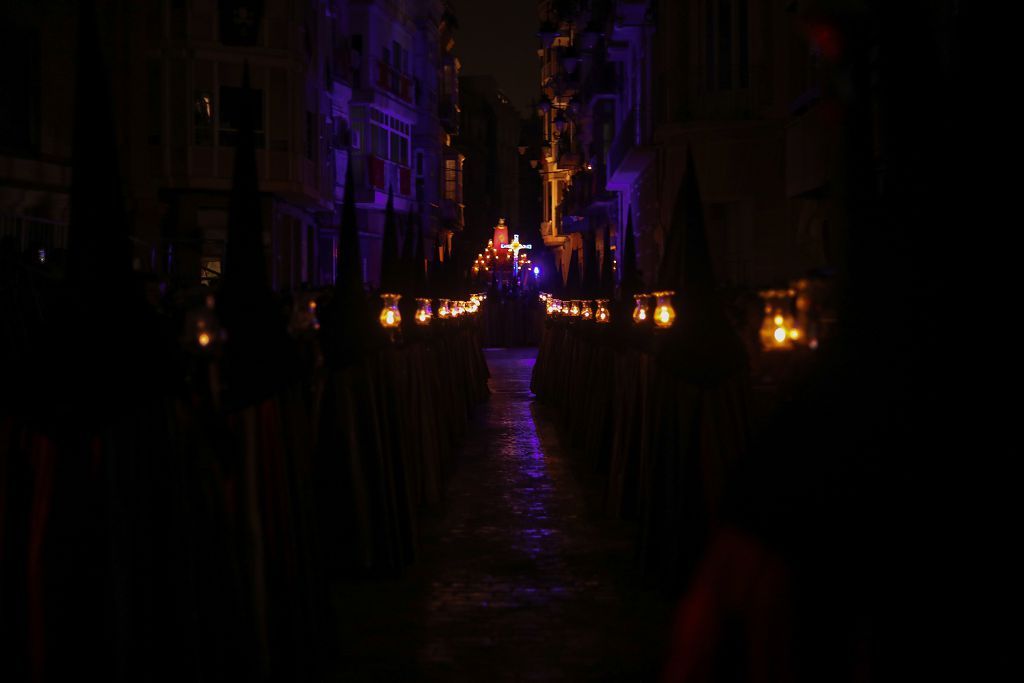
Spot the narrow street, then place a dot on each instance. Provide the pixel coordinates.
(519, 577)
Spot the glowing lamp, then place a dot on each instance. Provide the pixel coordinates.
(423, 312)
(574, 308)
(640, 314)
(664, 314)
(602, 315)
(444, 309)
(586, 312)
(204, 339)
(390, 318)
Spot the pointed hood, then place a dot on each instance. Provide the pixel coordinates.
(607, 273)
(572, 284)
(349, 259)
(419, 260)
(449, 268)
(245, 268)
(631, 282)
(686, 264)
(98, 331)
(705, 346)
(99, 249)
(390, 263)
(257, 350)
(591, 278)
(409, 254)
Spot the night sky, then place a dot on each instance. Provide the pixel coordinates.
(500, 39)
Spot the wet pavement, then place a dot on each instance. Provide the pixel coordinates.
(519, 576)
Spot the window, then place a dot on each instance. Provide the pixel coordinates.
(20, 113)
(240, 21)
(202, 119)
(389, 137)
(311, 137)
(726, 44)
(453, 179)
(231, 103)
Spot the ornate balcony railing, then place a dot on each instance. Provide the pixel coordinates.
(394, 81)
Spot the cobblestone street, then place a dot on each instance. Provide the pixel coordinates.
(519, 578)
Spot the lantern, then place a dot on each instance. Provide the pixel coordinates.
(779, 330)
(586, 312)
(203, 330)
(574, 308)
(640, 312)
(390, 318)
(602, 315)
(560, 122)
(664, 314)
(444, 309)
(423, 312)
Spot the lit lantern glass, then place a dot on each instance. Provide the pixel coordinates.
(602, 315)
(586, 312)
(423, 312)
(390, 317)
(640, 314)
(312, 314)
(444, 309)
(203, 331)
(664, 314)
(574, 308)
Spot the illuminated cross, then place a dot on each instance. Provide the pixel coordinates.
(514, 247)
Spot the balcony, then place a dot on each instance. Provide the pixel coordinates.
(626, 159)
(453, 214)
(373, 177)
(586, 194)
(383, 175)
(448, 111)
(601, 81)
(393, 81)
(570, 161)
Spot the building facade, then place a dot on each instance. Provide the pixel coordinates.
(488, 136)
(373, 83)
(629, 86)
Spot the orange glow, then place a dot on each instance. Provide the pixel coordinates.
(204, 339)
(664, 313)
(423, 312)
(603, 316)
(640, 312)
(780, 334)
(390, 317)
